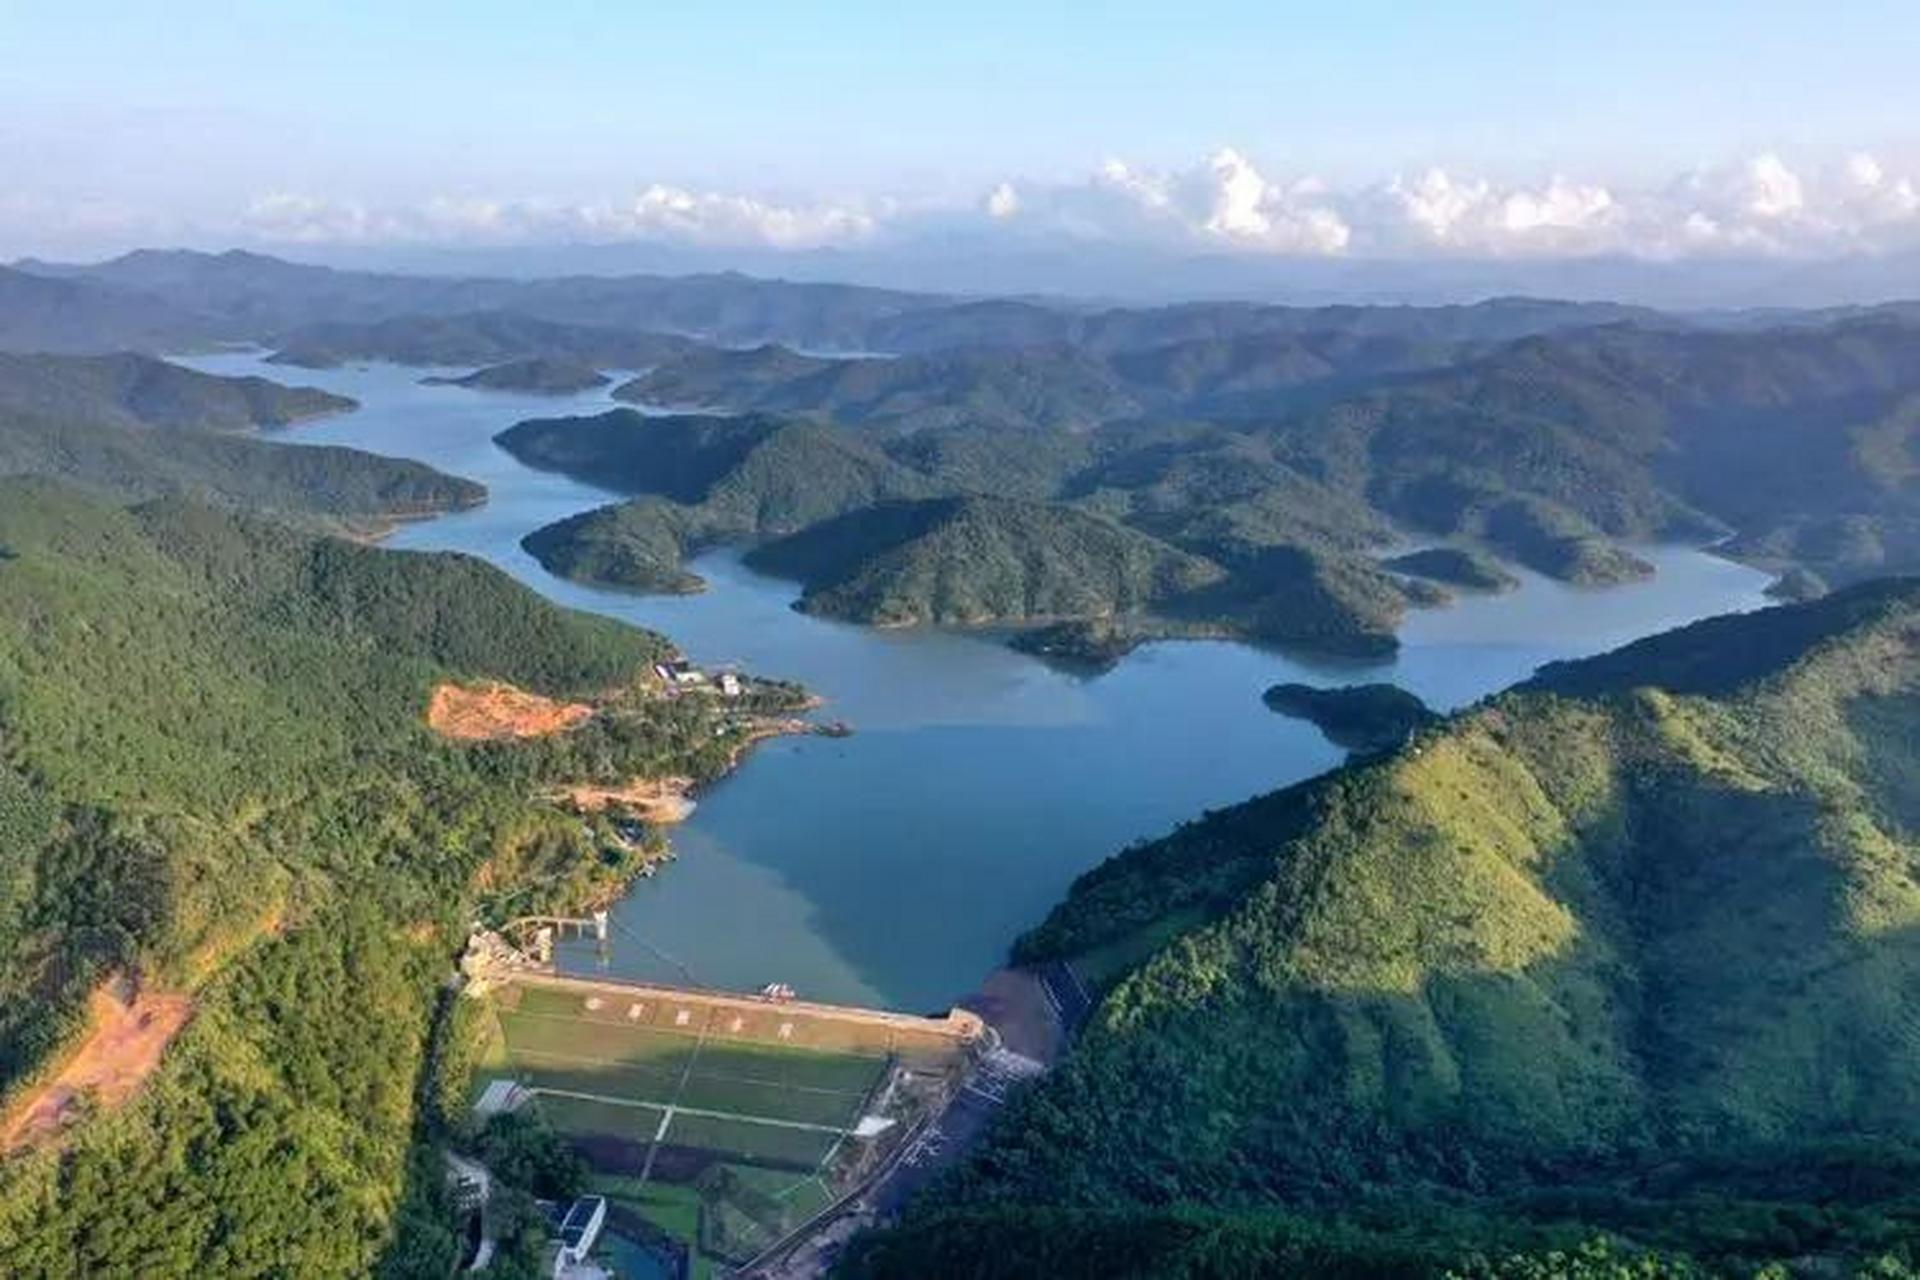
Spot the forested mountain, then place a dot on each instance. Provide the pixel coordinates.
(1186, 556)
(38, 313)
(1547, 432)
(1058, 388)
(1055, 386)
(1633, 433)
(130, 427)
(218, 785)
(129, 390)
(1634, 948)
(1014, 323)
(706, 480)
(973, 560)
(343, 487)
(1549, 451)
(257, 297)
(250, 296)
(1546, 448)
(1625, 951)
(474, 338)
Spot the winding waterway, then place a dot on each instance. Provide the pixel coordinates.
(894, 867)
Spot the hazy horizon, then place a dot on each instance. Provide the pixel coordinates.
(1228, 150)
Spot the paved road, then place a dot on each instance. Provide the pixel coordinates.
(949, 1136)
(939, 1144)
(942, 1141)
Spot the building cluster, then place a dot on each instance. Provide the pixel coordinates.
(679, 674)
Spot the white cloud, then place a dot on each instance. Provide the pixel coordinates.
(1772, 189)
(1436, 203)
(1239, 197)
(1561, 206)
(1226, 203)
(657, 212)
(1444, 212)
(1876, 197)
(1248, 209)
(717, 219)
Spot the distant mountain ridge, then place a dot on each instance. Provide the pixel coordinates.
(255, 297)
(77, 315)
(1550, 450)
(471, 338)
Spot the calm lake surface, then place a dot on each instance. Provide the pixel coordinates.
(896, 866)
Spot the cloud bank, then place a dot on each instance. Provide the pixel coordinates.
(1760, 206)
(658, 212)
(1224, 204)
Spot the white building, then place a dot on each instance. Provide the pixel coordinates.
(574, 1233)
(679, 673)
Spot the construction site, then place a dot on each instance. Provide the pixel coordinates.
(719, 1126)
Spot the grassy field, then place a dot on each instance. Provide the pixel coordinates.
(603, 1065)
(750, 1141)
(716, 1120)
(746, 1209)
(585, 1116)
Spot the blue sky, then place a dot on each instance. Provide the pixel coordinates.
(186, 114)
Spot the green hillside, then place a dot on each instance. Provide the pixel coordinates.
(708, 480)
(216, 779)
(130, 428)
(1634, 949)
(1044, 384)
(978, 560)
(42, 314)
(471, 338)
(677, 457)
(1177, 530)
(1289, 460)
(1057, 388)
(337, 486)
(1786, 436)
(641, 545)
(138, 391)
(541, 375)
(1548, 448)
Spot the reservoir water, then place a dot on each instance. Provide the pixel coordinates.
(895, 867)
